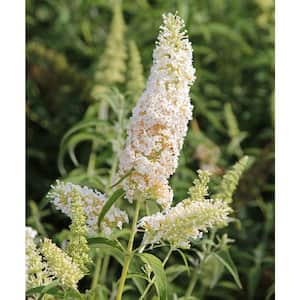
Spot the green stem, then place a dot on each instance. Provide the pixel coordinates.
(104, 269)
(153, 279)
(108, 190)
(97, 271)
(192, 283)
(92, 161)
(194, 278)
(202, 292)
(129, 251)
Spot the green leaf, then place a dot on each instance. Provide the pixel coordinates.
(137, 275)
(159, 273)
(135, 268)
(82, 125)
(50, 289)
(108, 204)
(111, 246)
(174, 271)
(74, 294)
(224, 257)
(184, 260)
(68, 139)
(79, 138)
(211, 271)
(71, 144)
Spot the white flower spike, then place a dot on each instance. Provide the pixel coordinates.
(186, 221)
(160, 118)
(92, 202)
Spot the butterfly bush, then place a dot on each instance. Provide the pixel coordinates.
(155, 138)
(92, 202)
(159, 120)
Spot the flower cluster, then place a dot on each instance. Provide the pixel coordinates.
(61, 265)
(192, 216)
(160, 118)
(37, 272)
(187, 220)
(92, 202)
(200, 188)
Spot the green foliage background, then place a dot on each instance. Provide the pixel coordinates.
(233, 100)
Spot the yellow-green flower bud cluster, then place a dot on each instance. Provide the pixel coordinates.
(77, 246)
(37, 272)
(230, 180)
(60, 264)
(200, 188)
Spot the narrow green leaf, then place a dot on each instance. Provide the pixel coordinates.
(174, 271)
(74, 294)
(113, 247)
(81, 125)
(184, 260)
(224, 257)
(79, 138)
(159, 273)
(137, 275)
(108, 204)
(51, 288)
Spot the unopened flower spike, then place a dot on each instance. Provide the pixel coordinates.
(230, 180)
(77, 247)
(92, 202)
(159, 120)
(112, 66)
(135, 80)
(199, 190)
(60, 264)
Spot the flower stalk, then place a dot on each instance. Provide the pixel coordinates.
(129, 250)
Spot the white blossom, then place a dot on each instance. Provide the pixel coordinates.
(186, 221)
(160, 118)
(92, 202)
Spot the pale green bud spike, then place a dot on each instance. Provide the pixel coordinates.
(230, 180)
(61, 265)
(200, 188)
(112, 66)
(135, 80)
(231, 121)
(78, 247)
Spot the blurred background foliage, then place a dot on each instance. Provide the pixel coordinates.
(233, 100)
